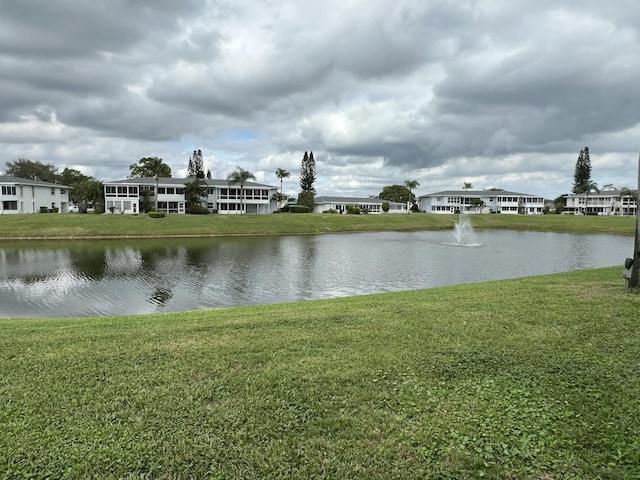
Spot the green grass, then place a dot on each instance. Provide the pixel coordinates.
(534, 378)
(79, 226)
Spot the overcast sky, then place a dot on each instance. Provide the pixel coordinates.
(499, 93)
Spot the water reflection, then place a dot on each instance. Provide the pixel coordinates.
(74, 279)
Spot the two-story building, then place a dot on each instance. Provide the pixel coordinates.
(482, 201)
(605, 202)
(168, 195)
(21, 195)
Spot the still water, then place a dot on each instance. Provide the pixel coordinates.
(79, 279)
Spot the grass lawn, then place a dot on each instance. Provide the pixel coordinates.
(534, 378)
(79, 226)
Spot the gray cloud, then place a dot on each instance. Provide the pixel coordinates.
(502, 94)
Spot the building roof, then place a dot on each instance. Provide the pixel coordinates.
(26, 181)
(181, 181)
(477, 193)
(322, 199)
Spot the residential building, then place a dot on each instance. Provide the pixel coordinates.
(368, 205)
(20, 195)
(168, 195)
(606, 202)
(481, 201)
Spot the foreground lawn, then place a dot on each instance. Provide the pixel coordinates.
(521, 379)
(78, 226)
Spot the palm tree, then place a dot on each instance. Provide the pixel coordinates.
(467, 186)
(281, 173)
(410, 184)
(241, 176)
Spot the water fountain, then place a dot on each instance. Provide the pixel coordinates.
(462, 232)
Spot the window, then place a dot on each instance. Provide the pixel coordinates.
(8, 190)
(110, 190)
(122, 191)
(171, 191)
(10, 205)
(133, 191)
(161, 190)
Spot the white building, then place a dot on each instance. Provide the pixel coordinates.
(368, 205)
(20, 195)
(606, 202)
(126, 196)
(483, 201)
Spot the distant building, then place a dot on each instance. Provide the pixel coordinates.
(606, 202)
(483, 201)
(167, 195)
(368, 205)
(20, 195)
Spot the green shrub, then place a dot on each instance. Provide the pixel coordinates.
(198, 210)
(299, 209)
(353, 210)
(157, 214)
(44, 209)
(385, 207)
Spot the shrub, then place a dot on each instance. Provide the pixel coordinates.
(299, 209)
(385, 207)
(198, 210)
(44, 209)
(157, 214)
(353, 210)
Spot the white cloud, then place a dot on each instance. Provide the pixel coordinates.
(500, 93)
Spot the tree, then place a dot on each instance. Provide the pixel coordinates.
(467, 186)
(25, 168)
(71, 176)
(149, 167)
(307, 199)
(85, 192)
(477, 203)
(582, 173)
(196, 165)
(281, 173)
(195, 191)
(395, 193)
(411, 184)
(240, 176)
(307, 173)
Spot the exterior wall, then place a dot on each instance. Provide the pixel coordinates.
(126, 196)
(17, 197)
(494, 202)
(342, 204)
(602, 203)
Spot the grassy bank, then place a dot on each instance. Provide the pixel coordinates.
(78, 226)
(530, 379)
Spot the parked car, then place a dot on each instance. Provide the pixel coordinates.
(73, 209)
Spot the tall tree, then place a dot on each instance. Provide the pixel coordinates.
(281, 173)
(467, 186)
(196, 165)
(25, 168)
(240, 176)
(395, 193)
(582, 173)
(307, 173)
(149, 167)
(411, 184)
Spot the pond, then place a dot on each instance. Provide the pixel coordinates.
(121, 277)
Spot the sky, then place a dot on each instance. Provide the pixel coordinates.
(497, 93)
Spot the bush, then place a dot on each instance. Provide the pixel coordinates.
(157, 214)
(353, 210)
(299, 209)
(385, 207)
(44, 209)
(198, 210)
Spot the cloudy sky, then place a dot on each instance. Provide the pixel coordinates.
(499, 93)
